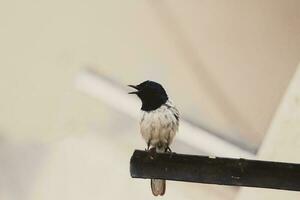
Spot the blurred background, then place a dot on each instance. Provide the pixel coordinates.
(68, 127)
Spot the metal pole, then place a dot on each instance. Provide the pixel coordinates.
(222, 171)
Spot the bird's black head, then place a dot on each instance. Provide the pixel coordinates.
(152, 95)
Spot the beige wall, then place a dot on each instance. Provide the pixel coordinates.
(234, 59)
(282, 142)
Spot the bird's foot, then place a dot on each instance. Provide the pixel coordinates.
(152, 153)
(148, 146)
(168, 150)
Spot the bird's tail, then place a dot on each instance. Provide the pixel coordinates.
(158, 186)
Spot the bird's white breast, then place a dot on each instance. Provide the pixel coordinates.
(160, 125)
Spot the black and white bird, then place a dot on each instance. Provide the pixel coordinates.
(158, 124)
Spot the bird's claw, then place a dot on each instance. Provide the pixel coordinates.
(152, 153)
(168, 150)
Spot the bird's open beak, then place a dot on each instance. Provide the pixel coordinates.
(135, 87)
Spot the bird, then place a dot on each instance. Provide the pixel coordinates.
(159, 122)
